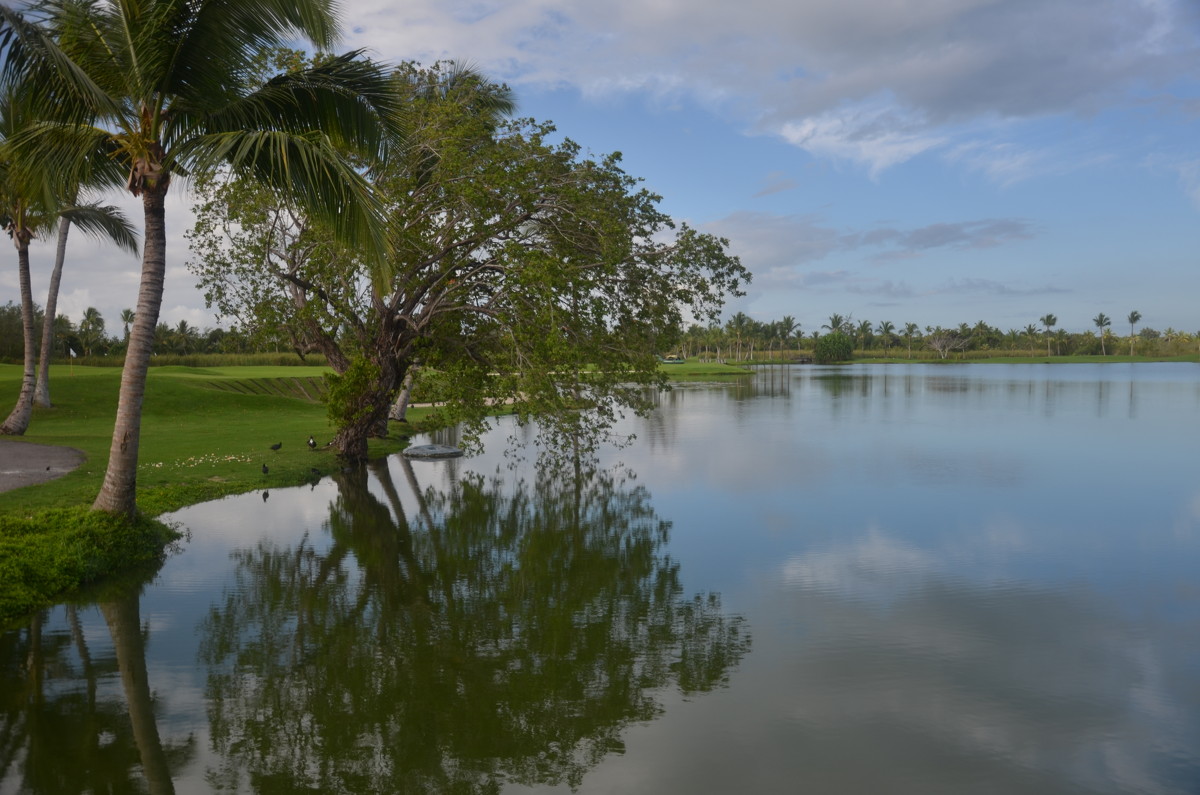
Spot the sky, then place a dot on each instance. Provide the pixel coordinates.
(926, 161)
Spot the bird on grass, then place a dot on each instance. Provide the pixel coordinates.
(276, 446)
(312, 443)
(265, 469)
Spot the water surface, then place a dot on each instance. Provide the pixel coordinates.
(927, 578)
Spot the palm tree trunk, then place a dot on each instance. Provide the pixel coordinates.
(18, 419)
(400, 407)
(41, 395)
(119, 492)
(125, 625)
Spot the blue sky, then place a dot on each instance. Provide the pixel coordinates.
(927, 161)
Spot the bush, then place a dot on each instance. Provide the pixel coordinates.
(835, 347)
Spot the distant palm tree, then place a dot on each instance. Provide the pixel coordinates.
(863, 332)
(127, 317)
(1049, 322)
(836, 323)
(886, 331)
(1134, 317)
(1102, 321)
(911, 332)
(159, 87)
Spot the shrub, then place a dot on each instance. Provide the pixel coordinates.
(834, 347)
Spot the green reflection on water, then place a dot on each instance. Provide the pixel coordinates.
(489, 633)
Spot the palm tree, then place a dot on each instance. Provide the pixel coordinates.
(886, 330)
(863, 332)
(836, 323)
(127, 316)
(1048, 321)
(1134, 317)
(1102, 321)
(29, 206)
(787, 328)
(91, 330)
(158, 86)
(911, 332)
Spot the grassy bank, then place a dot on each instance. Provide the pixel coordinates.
(206, 433)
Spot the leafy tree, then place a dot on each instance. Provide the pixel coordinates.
(1134, 317)
(1048, 321)
(833, 347)
(158, 87)
(1102, 321)
(521, 271)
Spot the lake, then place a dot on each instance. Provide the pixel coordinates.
(872, 578)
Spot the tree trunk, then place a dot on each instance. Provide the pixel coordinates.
(400, 407)
(119, 492)
(41, 395)
(18, 420)
(372, 411)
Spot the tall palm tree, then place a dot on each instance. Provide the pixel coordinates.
(1102, 321)
(1134, 317)
(1049, 322)
(836, 323)
(886, 330)
(911, 332)
(30, 205)
(159, 87)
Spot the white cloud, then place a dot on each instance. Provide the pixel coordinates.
(873, 81)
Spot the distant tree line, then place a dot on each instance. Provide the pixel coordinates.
(742, 338)
(94, 336)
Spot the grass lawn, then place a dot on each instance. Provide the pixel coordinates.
(206, 432)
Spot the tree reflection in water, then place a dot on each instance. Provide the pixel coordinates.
(455, 639)
(63, 727)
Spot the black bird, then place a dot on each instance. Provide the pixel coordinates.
(265, 495)
(312, 443)
(265, 469)
(276, 446)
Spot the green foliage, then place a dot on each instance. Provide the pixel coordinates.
(522, 270)
(344, 394)
(835, 347)
(50, 553)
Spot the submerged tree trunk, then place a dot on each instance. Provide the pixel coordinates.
(41, 395)
(18, 419)
(119, 492)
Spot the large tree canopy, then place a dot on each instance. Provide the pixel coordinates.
(522, 269)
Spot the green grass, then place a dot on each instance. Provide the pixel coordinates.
(206, 432)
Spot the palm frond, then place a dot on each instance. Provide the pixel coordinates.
(104, 222)
(305, 169)
(349, 98)
(31, 55)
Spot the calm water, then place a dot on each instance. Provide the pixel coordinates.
(917, 579)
